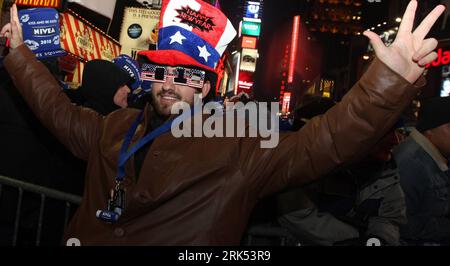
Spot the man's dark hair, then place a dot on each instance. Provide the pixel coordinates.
(212, 78)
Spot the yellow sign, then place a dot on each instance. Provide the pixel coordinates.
(139, 30)
(248, 59)
(82, 40)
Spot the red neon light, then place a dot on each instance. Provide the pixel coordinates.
(443, 59)
(294, 48)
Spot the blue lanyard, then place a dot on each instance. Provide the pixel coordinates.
(124, 156)
(116, 202)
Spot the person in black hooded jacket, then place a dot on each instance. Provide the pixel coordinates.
(33, 155)
(104, 88)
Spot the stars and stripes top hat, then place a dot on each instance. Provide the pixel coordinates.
(191, 33)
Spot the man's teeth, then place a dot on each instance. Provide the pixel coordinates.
(170, 98)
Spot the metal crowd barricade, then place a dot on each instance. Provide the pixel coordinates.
(276, 235)
(45, 193)
(269, 235)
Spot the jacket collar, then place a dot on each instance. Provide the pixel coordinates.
(429, 148)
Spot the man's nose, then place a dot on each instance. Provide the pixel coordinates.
(168, 83)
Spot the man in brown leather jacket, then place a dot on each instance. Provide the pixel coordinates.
(200, 191)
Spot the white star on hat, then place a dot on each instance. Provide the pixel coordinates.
(177, 37)
(204, 52)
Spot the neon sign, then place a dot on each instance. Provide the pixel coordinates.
(294, 48)
(443, 59)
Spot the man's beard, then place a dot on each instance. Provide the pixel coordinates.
(164, 109)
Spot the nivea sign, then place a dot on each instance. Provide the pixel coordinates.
(41, 32)
(44, 31)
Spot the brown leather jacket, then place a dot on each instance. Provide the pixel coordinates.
(200, 191)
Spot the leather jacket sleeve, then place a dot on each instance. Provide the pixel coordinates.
(77, 128)
(342, 135)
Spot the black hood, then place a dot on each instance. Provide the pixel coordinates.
(101, 80)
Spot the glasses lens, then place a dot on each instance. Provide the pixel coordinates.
(160, 72)
(197, 78)
(179, 77)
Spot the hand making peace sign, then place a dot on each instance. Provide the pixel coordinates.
(410, 51)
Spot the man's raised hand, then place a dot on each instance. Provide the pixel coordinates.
(410, 51)
(13, 30)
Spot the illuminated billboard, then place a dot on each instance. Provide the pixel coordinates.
(249, 42)
(245, 83)
(251, 28)
(248, 59)
(138, 25)
(286, 102)
(253, 9)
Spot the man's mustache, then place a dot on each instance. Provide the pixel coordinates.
(169, 92)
